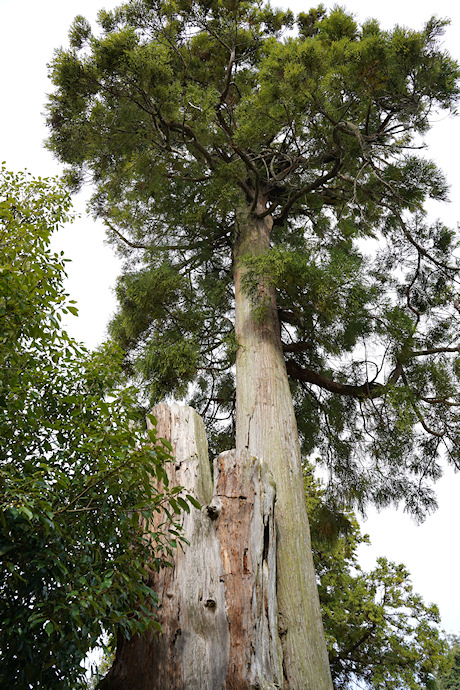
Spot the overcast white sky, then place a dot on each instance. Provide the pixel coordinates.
(29, 32)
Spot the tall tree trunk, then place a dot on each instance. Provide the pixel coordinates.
(266, 427)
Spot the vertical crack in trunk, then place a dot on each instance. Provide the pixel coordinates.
(266, 542)
(249, 426)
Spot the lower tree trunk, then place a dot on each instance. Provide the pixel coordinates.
(218, 606)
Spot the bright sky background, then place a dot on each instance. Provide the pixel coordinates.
(29, 32)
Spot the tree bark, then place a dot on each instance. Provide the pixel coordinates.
(218, 606)
(266, 427)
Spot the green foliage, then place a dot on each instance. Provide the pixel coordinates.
(75, 469)
(380, 633)
(183, 115)
(450, 678)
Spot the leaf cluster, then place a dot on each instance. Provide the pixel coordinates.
(449, 678)
(79, 482)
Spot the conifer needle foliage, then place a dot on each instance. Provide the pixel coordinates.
(183, 112)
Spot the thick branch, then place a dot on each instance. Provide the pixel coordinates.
(439, 401)
(296, 347)
(433, 351)
(287, 316)
(369, 389)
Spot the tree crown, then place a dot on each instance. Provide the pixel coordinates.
(182, 114)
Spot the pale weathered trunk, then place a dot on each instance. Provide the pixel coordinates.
(218, 604)
(266, 427)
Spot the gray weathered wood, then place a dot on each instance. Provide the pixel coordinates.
(218, 604)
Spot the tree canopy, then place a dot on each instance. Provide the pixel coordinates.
(232, 144)
(181, 114)
(75, 468)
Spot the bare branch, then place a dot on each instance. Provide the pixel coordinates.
(133, 245)
(433, 351)
(369, 389)
(228, 80)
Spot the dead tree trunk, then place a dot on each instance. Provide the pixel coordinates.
(218, 605)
